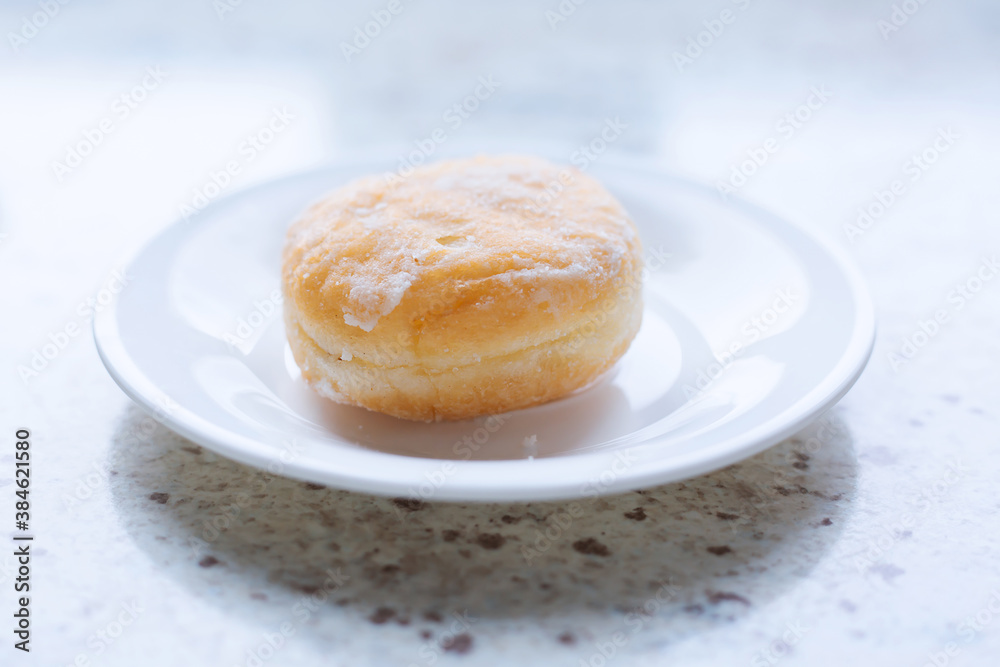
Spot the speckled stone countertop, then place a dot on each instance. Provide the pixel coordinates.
(871, 538)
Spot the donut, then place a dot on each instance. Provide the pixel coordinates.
(464, 288)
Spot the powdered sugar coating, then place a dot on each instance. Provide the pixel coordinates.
(520, 219)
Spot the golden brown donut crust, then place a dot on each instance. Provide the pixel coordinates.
(470, 287)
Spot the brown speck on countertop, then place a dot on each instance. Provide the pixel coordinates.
(382, 615)
(826, 522)
(313, 487)
(490, 540)
(508, 519)
(409, 504)
(209, 561)
(638, 514)
(460, 644)
(725, 516)
(449, 535)
(715, 597)
(719, 551)
(567, 638)
(433, 616)
(426, 634)
(159, 497)
(591, 547)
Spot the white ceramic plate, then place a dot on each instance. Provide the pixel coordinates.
(752, 329)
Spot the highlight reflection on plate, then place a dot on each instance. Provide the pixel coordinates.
(751, 329)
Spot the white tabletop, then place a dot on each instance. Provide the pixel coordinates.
(871, 538)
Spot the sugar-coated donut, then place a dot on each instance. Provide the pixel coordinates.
(468, 287)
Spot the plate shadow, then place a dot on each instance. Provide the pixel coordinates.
(685, 557)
